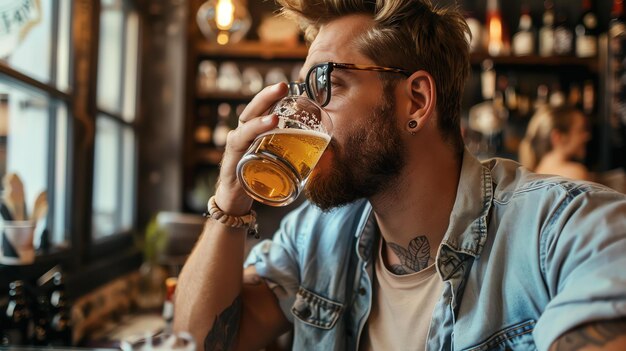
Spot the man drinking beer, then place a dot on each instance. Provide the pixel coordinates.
(407, 242)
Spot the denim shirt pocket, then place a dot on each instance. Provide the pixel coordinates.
(516, 337)
(315, 310)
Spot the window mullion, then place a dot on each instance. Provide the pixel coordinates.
(114, 116)
(120, 176)
(54, 43)
(52, 158)
(125, 9)
(85, 29)
(29, 82)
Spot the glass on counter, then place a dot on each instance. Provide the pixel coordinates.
(161, 342)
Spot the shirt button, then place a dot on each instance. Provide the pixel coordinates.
(362, 291)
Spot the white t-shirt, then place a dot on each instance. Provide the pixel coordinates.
(402, 308)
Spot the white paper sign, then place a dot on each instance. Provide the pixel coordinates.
(17, 17)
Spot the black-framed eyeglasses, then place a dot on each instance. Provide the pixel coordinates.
(317, 81)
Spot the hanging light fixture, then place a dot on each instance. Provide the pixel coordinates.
(223, 21)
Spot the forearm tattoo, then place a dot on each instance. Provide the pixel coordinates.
(412, 259)
(595, 334)
(225, 327)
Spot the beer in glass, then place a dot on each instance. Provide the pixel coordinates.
(277, 165)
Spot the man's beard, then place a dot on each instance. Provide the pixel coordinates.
(372, 156)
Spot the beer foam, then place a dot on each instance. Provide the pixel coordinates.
(303, 132)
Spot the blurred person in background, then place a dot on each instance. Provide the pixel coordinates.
(555, 143)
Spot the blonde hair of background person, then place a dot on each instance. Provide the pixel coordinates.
(555, 143)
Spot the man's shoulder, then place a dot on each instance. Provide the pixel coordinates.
(511, 180)
(320, 239)
(575, 170)
(309, 209)
(311, 219)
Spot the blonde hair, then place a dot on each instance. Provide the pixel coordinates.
(537, 142)
(409, 34)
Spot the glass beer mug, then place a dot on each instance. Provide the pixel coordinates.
(277, 165)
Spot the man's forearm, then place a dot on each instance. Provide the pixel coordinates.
(210, 283)
(604, 335)
(221, 337)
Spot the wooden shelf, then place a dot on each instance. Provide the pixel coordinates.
(254, 50)
(538, 61)
(258, 50)
(224, 96)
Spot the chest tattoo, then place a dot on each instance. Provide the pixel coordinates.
(414, 258)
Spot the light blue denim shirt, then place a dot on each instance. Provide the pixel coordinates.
(525, 258)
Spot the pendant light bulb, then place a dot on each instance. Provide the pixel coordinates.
(223, 21)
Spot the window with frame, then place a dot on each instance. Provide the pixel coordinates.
(35, 118)
(68, 118)
(114, 185)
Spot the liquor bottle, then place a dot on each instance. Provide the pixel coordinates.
(557, 97)
(575, 98)
(41, 321)
(207, 77)
(58, 290)
(18, 324)
(524, 39)
(203, 132)
(488, 80)
(617, 13)
(60, 332)
(617, 41)
(222, 128)
(563, 36)
(495, 138)
(587, 32)
(546, 32)
(617, 24)
(511, 97)
(487, 118)
(168, 304)
(496, 32)
(589, 97)
(476, 31)
(542, 96)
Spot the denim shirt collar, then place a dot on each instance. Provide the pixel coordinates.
(467, 231)
(366, 233)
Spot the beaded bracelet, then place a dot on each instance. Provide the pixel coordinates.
(246, 221)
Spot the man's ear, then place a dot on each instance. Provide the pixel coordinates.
(422, 99)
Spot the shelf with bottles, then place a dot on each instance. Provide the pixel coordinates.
(37, 315)
(538, 39)
(537, 62)
(211, 123)
(227, 78)
(243, 79)
(239, 80)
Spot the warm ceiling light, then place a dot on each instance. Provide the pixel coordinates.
(223, 21)
(224, 14)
